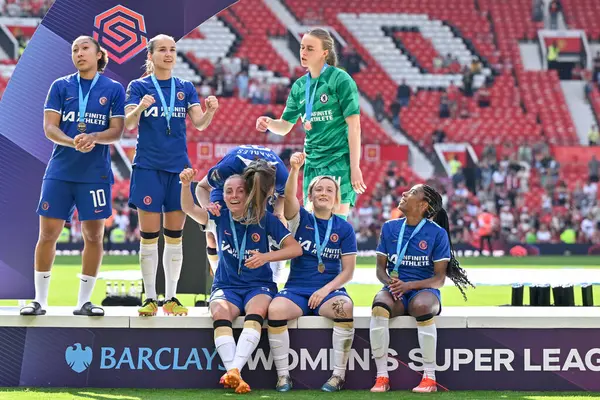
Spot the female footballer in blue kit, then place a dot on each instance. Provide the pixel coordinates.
(317, 278)
(159, 104)
(414, 256)
(242, 284)
(210, 189)
(82, 115)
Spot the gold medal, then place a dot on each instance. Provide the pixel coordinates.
(394, 274)
(321, 267)
(307, 125)
(81, 127)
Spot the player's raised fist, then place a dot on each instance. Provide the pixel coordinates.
(147, 101)
(262, 124)
(187, 176)
(212, 103)
(297, 160)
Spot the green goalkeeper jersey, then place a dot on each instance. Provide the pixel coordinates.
(335, 100)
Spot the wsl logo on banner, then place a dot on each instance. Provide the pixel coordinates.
(77, 358)
(122, 32)
(80, 358)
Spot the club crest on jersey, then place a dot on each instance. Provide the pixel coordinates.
(334, 237)
(103, 100)
(180, 95)
(255, 237)
(324, 98)
(45, 206)
(147, 200)
(423, 245)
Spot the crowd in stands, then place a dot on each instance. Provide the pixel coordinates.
(516, 195)
(24, 8)
(513, 194)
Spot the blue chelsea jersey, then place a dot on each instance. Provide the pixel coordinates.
(430, 245)
(341, 241)
(106, 101)
(237, 159)
(156, 147)
(228, 274)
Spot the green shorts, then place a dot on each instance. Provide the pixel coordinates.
(340, 169)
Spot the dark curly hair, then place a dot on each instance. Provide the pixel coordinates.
(436, 212)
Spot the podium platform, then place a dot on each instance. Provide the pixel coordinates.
(479, 348)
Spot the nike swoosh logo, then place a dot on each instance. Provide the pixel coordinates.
(98, 211)
(301, 102)
(46, 276)
(68, 98)
(84, 280)
(310, 227)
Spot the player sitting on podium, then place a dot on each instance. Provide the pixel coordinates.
(317, 278)
(243, 282)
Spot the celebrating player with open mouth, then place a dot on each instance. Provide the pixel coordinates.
(83, 114)
(210, 190)
(243, 281)
(159, 104)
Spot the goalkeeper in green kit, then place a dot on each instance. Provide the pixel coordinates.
(327, 101)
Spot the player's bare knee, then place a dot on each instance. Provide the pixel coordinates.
(384, 297)
(345, 307)
(258, 309)
(49, 235)
(420, 308)
(277, 310)
(210, 240)
(93, 235)
(221, 311)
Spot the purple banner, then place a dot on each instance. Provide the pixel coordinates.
(468, 359)
(123, 28)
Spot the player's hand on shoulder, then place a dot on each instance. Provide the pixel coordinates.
(187, 176)
(214, 209)
(147, 101)
(262, 124)
(297, 160)
(257, 259)
(212, 103)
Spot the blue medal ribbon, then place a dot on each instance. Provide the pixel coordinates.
(240, 250)
(401, 251)
(168, 111)
(83, 101)
(320, 247)
(308, 99)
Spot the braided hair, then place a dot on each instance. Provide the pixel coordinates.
(436, 212)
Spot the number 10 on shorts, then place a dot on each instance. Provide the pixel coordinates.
(98, 197)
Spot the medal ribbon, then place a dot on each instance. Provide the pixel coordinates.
(84, 100)
(168, 111)
(320, 247)
(400, 251)
(310, 100)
